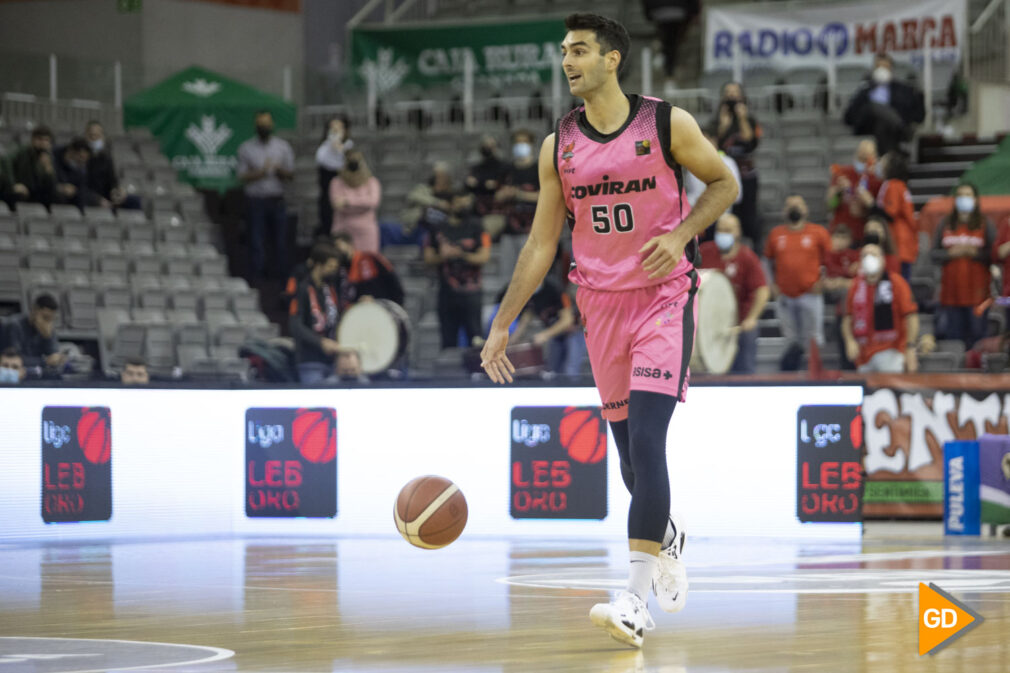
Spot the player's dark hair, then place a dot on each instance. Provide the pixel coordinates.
(611, 35)
(321, 252)
(46, 300)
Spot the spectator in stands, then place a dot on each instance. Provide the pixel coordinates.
(895, 199)
(7, 184)
(877, 231)
(355, 195)
(134, 372)
(1001, 256)
(265, 163)
(12, 366)
(963, 248)
(369, 273)
(519, 196)
(881, 322)
(429, 204)
(738, 134)
(34, 334)
(743, 269)
(672, 19)
(459, 249)
(103, 179)
(561, 331)
(72, 169)
(885, 108)
(840, 266)
(853, 190)
(797, 252)
(34, 171)
(693, 187)
(483, 180)
(330, 160)
(314, 314)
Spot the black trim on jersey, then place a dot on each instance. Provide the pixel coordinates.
(557, 139)
(687, 345)
(587, 129)
(663, 109)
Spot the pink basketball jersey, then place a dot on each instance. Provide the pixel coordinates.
(621, 189)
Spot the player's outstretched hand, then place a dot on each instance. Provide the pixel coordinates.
(666, 252)
(493, 359)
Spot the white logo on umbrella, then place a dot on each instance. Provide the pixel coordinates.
(201, 87)
(208, 137)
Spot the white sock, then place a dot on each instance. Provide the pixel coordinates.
(643, 567)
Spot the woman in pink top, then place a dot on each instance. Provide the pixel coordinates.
(355, 194)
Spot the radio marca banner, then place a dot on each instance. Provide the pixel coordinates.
(907, 421)
(503, 54)
(797, 36)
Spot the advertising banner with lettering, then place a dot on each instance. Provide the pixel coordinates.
(829, 468)
(907, 420)
(503, 54)
(792, 35)
(291, 463)
(559, 463)
(76, 464)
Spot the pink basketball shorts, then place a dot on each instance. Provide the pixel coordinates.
(640, 340)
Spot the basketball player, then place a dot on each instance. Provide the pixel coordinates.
(615, 168)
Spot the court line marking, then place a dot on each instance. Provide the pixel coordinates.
(219, 653)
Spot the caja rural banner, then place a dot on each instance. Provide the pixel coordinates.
(797, 36)
(503, 54)
(907, 421)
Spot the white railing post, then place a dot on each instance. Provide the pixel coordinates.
(117, 84)
(468, 68)
(52, 78)
(372, 97)
(927, 83)
(737, 64)
(832, 72)
(646, 71)
(555, 85)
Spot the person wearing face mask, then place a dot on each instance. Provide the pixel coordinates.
(743, 269)
(265, 163)
(330, 160)
(797, 252)
(72, 170)
(853, 190)
(314, 315)
(884, 107)
(355, 195)
(34, 169)
(103, 179)
(895, 199)
(738, 134)
(877, 232)
(519, 197)
(962, 247)
(12, 367)
(881, 323)
(369, 274)
(483, 181)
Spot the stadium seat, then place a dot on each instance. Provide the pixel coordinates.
(190, 333)
(230, 335)
(213, 302)
(148, 316)
(97, 214)
(159, 347)
(27, 211)
(184, 300)
(40, 227)
(81, 308)
(66, 213)
(75, 229)
(216, 267)
(187, 355)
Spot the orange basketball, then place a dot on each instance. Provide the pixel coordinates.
(430, 512)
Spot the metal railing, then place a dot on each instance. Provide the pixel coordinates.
(24, 111)
(989, 56)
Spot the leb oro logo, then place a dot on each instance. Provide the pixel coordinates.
(314, 435)
(93, 435)
(581, 435)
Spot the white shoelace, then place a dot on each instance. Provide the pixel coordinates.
(640, 606)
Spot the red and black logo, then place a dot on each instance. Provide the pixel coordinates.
(642, 147)
(829, 463)
(291, 463)
(559, 463)
(76, 464)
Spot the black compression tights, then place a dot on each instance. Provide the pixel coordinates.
(641, 445)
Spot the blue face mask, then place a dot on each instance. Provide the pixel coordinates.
(522, 151)
(8, 375)
(859, 166)
(724, 240)
(965, 204)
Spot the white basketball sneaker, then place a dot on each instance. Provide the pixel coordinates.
(670, 581)
(626, 618)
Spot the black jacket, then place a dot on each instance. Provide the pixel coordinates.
(102, 174)
(905, 99)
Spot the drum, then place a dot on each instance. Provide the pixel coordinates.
(379, 330)
(715, 341)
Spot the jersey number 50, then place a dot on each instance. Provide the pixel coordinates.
(620, 215)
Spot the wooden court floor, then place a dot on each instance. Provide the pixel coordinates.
(486, 606)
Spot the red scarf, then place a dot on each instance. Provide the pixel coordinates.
(864, 299)
(323, 321)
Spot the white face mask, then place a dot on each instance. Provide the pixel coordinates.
(871, 265)
(522, 151)
(882, 75)
(9, 375)
(965, 204)
(724, 240)
(97, 145)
